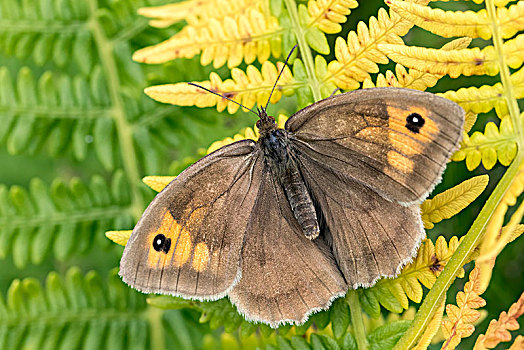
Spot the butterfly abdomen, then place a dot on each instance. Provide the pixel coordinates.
(283, 166)
(300, 202)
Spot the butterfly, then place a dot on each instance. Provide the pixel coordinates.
(286, 224)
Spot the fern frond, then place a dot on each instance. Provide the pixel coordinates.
(157, 183)
(63, 218)
(119, 237)
(488, 147)
(487, 97)
(473, 61)
(498, 330)
(461, 23)
(73, 312)
(328, 14)
(518, 344)
(471, 119)
(464, 314)
(394, 294)
(450, 202)
(444, 23)
(248, 88)
(358, 56)
(453, 62)
(414, 79)
(228, 39)
(194, 12)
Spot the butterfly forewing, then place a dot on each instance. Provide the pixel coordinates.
(188, 242)
(396, 141)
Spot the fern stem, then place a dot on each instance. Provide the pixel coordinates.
(356, 319)
(459, 259)
(124, 130)
(155, 315)
(509, 93)
(305, 51)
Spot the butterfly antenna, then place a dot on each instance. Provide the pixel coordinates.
(227, 98)
(279, 74)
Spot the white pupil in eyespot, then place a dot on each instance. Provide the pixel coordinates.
(158, 241)
(415, 120)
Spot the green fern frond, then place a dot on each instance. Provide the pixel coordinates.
(394, 294)
(63, 218)
(495, 143)
(75, 312)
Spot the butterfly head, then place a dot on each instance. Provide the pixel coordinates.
(266, 123)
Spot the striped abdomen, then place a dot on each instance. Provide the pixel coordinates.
(300, 201)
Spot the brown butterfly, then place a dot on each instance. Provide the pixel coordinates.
(288, 223)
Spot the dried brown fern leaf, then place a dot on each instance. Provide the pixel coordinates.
(462, 316)
(498, 330)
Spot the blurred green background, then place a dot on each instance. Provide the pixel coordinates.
(45, 138)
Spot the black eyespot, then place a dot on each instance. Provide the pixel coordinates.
(414, 122)
(160, 243)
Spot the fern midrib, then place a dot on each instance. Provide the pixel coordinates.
(305, 50)
(64, 317)
(46, 219)
(123, 128)
(322, 14)
(41, 27)
(504, 73)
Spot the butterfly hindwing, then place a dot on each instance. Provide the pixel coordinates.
(371, 237)
(396, 141)
(285, 276)
(189, 240)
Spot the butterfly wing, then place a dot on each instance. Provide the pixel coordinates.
(396, 141)
(188, 241)
(371, 237)
(285, 276)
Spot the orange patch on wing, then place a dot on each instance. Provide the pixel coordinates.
(404, 140)
(170, 228)
(182, 248)
(400, 162)
(200, 257)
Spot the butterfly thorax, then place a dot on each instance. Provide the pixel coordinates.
(280, 159)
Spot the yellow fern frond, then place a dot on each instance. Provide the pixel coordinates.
(493, 241)
(471, 119)
(414, 79)
(394, 294)
(194, 12)
(432, 328)
(488, 147)
(471, 61)
(450, 202)
(119, 237)
(157, 183)
(248, 88)
(328, 14)
(444, 23)
(226, 39)
(464, 314)
(358, 56)
(498, 330)
(456, 23)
